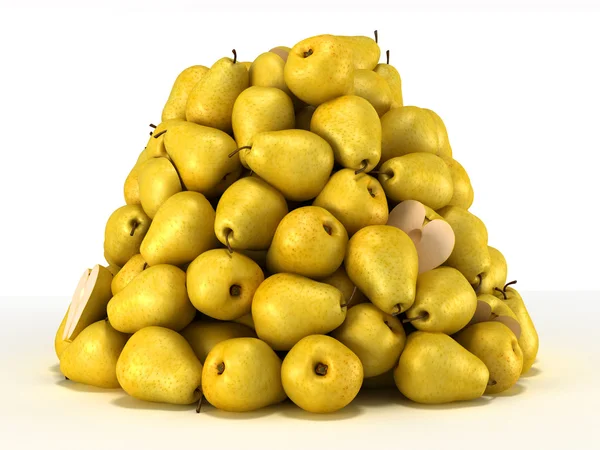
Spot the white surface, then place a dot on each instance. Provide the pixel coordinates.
(553, 407)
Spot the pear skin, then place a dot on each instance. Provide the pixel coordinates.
(61, 344)
(490, 308)
(125, 229)
(184, 83)
(495, 277)
(130, 270)
(365, 51)
(267, 71)
(158, 180)
(463, 191)
(203, 336)
(341, 280)
(392, 77)
(373, 87)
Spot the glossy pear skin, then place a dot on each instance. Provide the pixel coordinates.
(59, 343)
(463, 194)
(392, 77)
(341, 280)
(250, 378)
(158, 180)
(130, 270)
(92, 356)
(124, 232)
(203, 336)
(381, 261)
(288, 307)
(321, 393)
(435, 369)
(495, 277)
(157, 296)
(374, 88)
(365, 51)
(184, 83)
(267, 71)
(158, 365)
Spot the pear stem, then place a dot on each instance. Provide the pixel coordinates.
(199, 407)
(422, 316)
(220, 368)
(510, 283)
(308, 53)
(376, 37)
(387, 57)
(503, 293)
(363, 167)
(227, 242)
(321, 369)
(133, 228)
(349, 302)
(237, 150)
(152, 125)
(66, 378)
(157, 135)
(145, 265)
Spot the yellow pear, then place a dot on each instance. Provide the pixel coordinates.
(282, 51)
(124, 232)
(230, 178)
(267, 71)
(495, 276)
(374, 336)
(130, 270)
(113, 269)
(423, 177)
(497, 347)
(61, 344)
(248, 214)
(246, 320)
(242, 374)
(203, 336)
(288, 307)
(381, 261)
(351, 126)
(435, 369)
(295, 162)
(158, 365)
(321, 375)
(92, 357)
(490, 308)
(373, 87)
(158, 180)
(303, 117)
(463, 191)
(365, 51)
(355, 200)
(184, 83)
(445, 301)
(309, 241)
(221, 284)
(314, 60)
(392, 77)
(341, 280)
(210, 103)
(157, 296)
(182, 229)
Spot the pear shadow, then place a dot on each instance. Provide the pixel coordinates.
(514, 390)
(481, 401)
(80, 387)
(55, 368)
(292, 411)
(533, 372)
(379, 397)
(133, 403)
(209, 410)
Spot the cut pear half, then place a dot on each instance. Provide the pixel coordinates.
(89, 301)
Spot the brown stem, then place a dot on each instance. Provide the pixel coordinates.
(510, 283)
(220, 368)
(397, 310)
(145, 265)
(387, 57)
(157, 135)
(227, 241)
(376, 37)
(199, 407)
(425, 315)
(152, 125)
(133, 228)
(349, 302)
(234, 55)
(363, 167)
(308, 53)
(321, 369)
(503, 293)
(66, 378)
(237, 150)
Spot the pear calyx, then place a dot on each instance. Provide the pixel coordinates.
(321, 369)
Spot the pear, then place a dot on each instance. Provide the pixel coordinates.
(373, 87)
(490, 308)
(248, 214)
(309, 241)
(216, 192)
(295, 162)
(321, 375)
(61, 344)
(113, 269)
(313, 60)
(130, 270)
(246, 320)
(210, 103)
(445, 301)
(221, 284)
(158, 180)
(158, 365)
(434, 369)
(157, 296)
(303, 117)
(410, 129)
(529, 340)
(124, 232)
(131, 187)
(392, 77)
(242, 374)
(184, 83)
(374, 336)
(282, 51)
(497, 347)
(495, 276)
(470, 254)
(463, 191)
(288, 307)
(381, 261)
(203, 336)
(92, 357)
(182, 229)
(355, 200)
(200, 155)
(351, 126)
(365, 51)
(341, 280)
(417, 176)
(267, 71)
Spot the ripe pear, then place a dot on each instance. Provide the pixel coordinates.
(158, 365)
(365, 51)
(124, 232)
(298, 163)
(157, 296)
(221, 284)
(463, 191)
(417, 176)
(445, 301)
(210, 103)
(313, 60)
(248, 214)
(246, 320)
(309, 241)
(303, 117)
(61, 344)
(113, 269)
(410, 129)
(242, 374)
(182, 229)
(373, 87)
(341, 280)
(282, 51)
(203, 336)
(374, 336)
(216, 192)
(434, 369)
(288, 307)
(92, 356)
(200, 155)
(130, 270)
(490, 308)
(184, 83)
(158, 180)
(495, 276)
(351, 126)
(267, 71)
(470, 254)
(392, 77)
(321, 375)
(381, 261)
(497, 347)
(355, 200)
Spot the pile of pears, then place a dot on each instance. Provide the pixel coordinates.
(292, 231)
